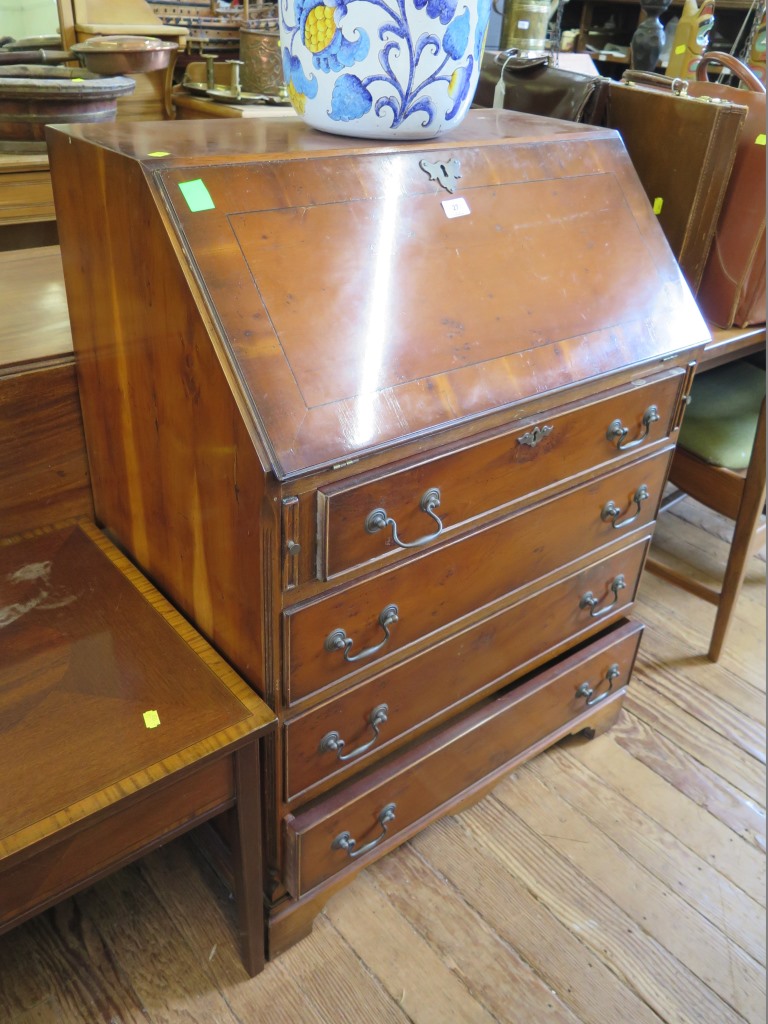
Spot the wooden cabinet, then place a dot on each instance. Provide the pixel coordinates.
(43, 465)
(400, 466)
(25, 189)
(27, 216)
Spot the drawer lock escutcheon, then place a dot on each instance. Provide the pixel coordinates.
(332, 741)
(590, 601)
(586, 691)
(337, 640)
(344, 840)
(613, 513)
(379, 520)
(617, 432)
(533, 437)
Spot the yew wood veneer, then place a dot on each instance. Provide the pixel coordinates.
(389, 422)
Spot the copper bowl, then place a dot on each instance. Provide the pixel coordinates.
(124, 55)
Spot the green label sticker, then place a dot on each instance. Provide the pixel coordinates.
(159, 152)
(658, 202)
(760, 140)
(197, 195)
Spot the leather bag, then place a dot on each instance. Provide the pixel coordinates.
(683, 150)
(537, 87)
(732, 292)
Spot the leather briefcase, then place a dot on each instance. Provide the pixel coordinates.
(536, 87)
(732, 292)
(683, 150)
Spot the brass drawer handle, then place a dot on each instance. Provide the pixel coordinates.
(586, 691)
(617, 432)
(344, 840)
(379, 520)
(337, 640)
(613, 513)
(332, 740)
(590, 601)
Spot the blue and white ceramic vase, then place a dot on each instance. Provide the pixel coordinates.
(382, 69)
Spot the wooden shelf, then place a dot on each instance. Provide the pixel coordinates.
(585, 15)
(35, 325)
(25, 188)
(191, 107)
(735, 343)
(722, 5)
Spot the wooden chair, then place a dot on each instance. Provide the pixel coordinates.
(80, 20)
(720, 462)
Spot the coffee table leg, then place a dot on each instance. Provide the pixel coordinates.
(247, 858)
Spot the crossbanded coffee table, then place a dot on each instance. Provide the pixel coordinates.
(120, 728)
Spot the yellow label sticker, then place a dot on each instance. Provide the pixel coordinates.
(680, 49)
(658, 202)
(760, 140)
(151, 719)
(159, 152)
(197, 195)
(77, 79)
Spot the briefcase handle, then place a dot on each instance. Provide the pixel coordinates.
(653, 80)
(734, 65)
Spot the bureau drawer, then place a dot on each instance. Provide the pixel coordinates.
(359, 625)
(361, 724)
(372, 517)
(375, 813)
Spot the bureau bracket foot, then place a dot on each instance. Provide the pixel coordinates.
(604, 718)
(291, 921)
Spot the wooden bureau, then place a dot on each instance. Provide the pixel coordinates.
(390, 423)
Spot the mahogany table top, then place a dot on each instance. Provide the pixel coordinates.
(104, 688)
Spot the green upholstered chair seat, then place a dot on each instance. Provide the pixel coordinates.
(720, 422)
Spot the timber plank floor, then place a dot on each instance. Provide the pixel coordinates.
(613, 881)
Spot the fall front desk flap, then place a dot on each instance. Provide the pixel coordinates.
(367, 292)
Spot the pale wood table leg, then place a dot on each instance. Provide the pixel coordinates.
(745, 539)
(169, 110)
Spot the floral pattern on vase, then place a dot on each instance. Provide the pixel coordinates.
(382, 68)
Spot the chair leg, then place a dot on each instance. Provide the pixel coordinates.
(743, 544)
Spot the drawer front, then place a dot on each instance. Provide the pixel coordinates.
(358, 726)
(457, 579)
(370, 816)
(366, 519)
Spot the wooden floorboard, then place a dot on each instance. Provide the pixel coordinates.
(614, 881)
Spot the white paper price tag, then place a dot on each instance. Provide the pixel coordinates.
(455, 207)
